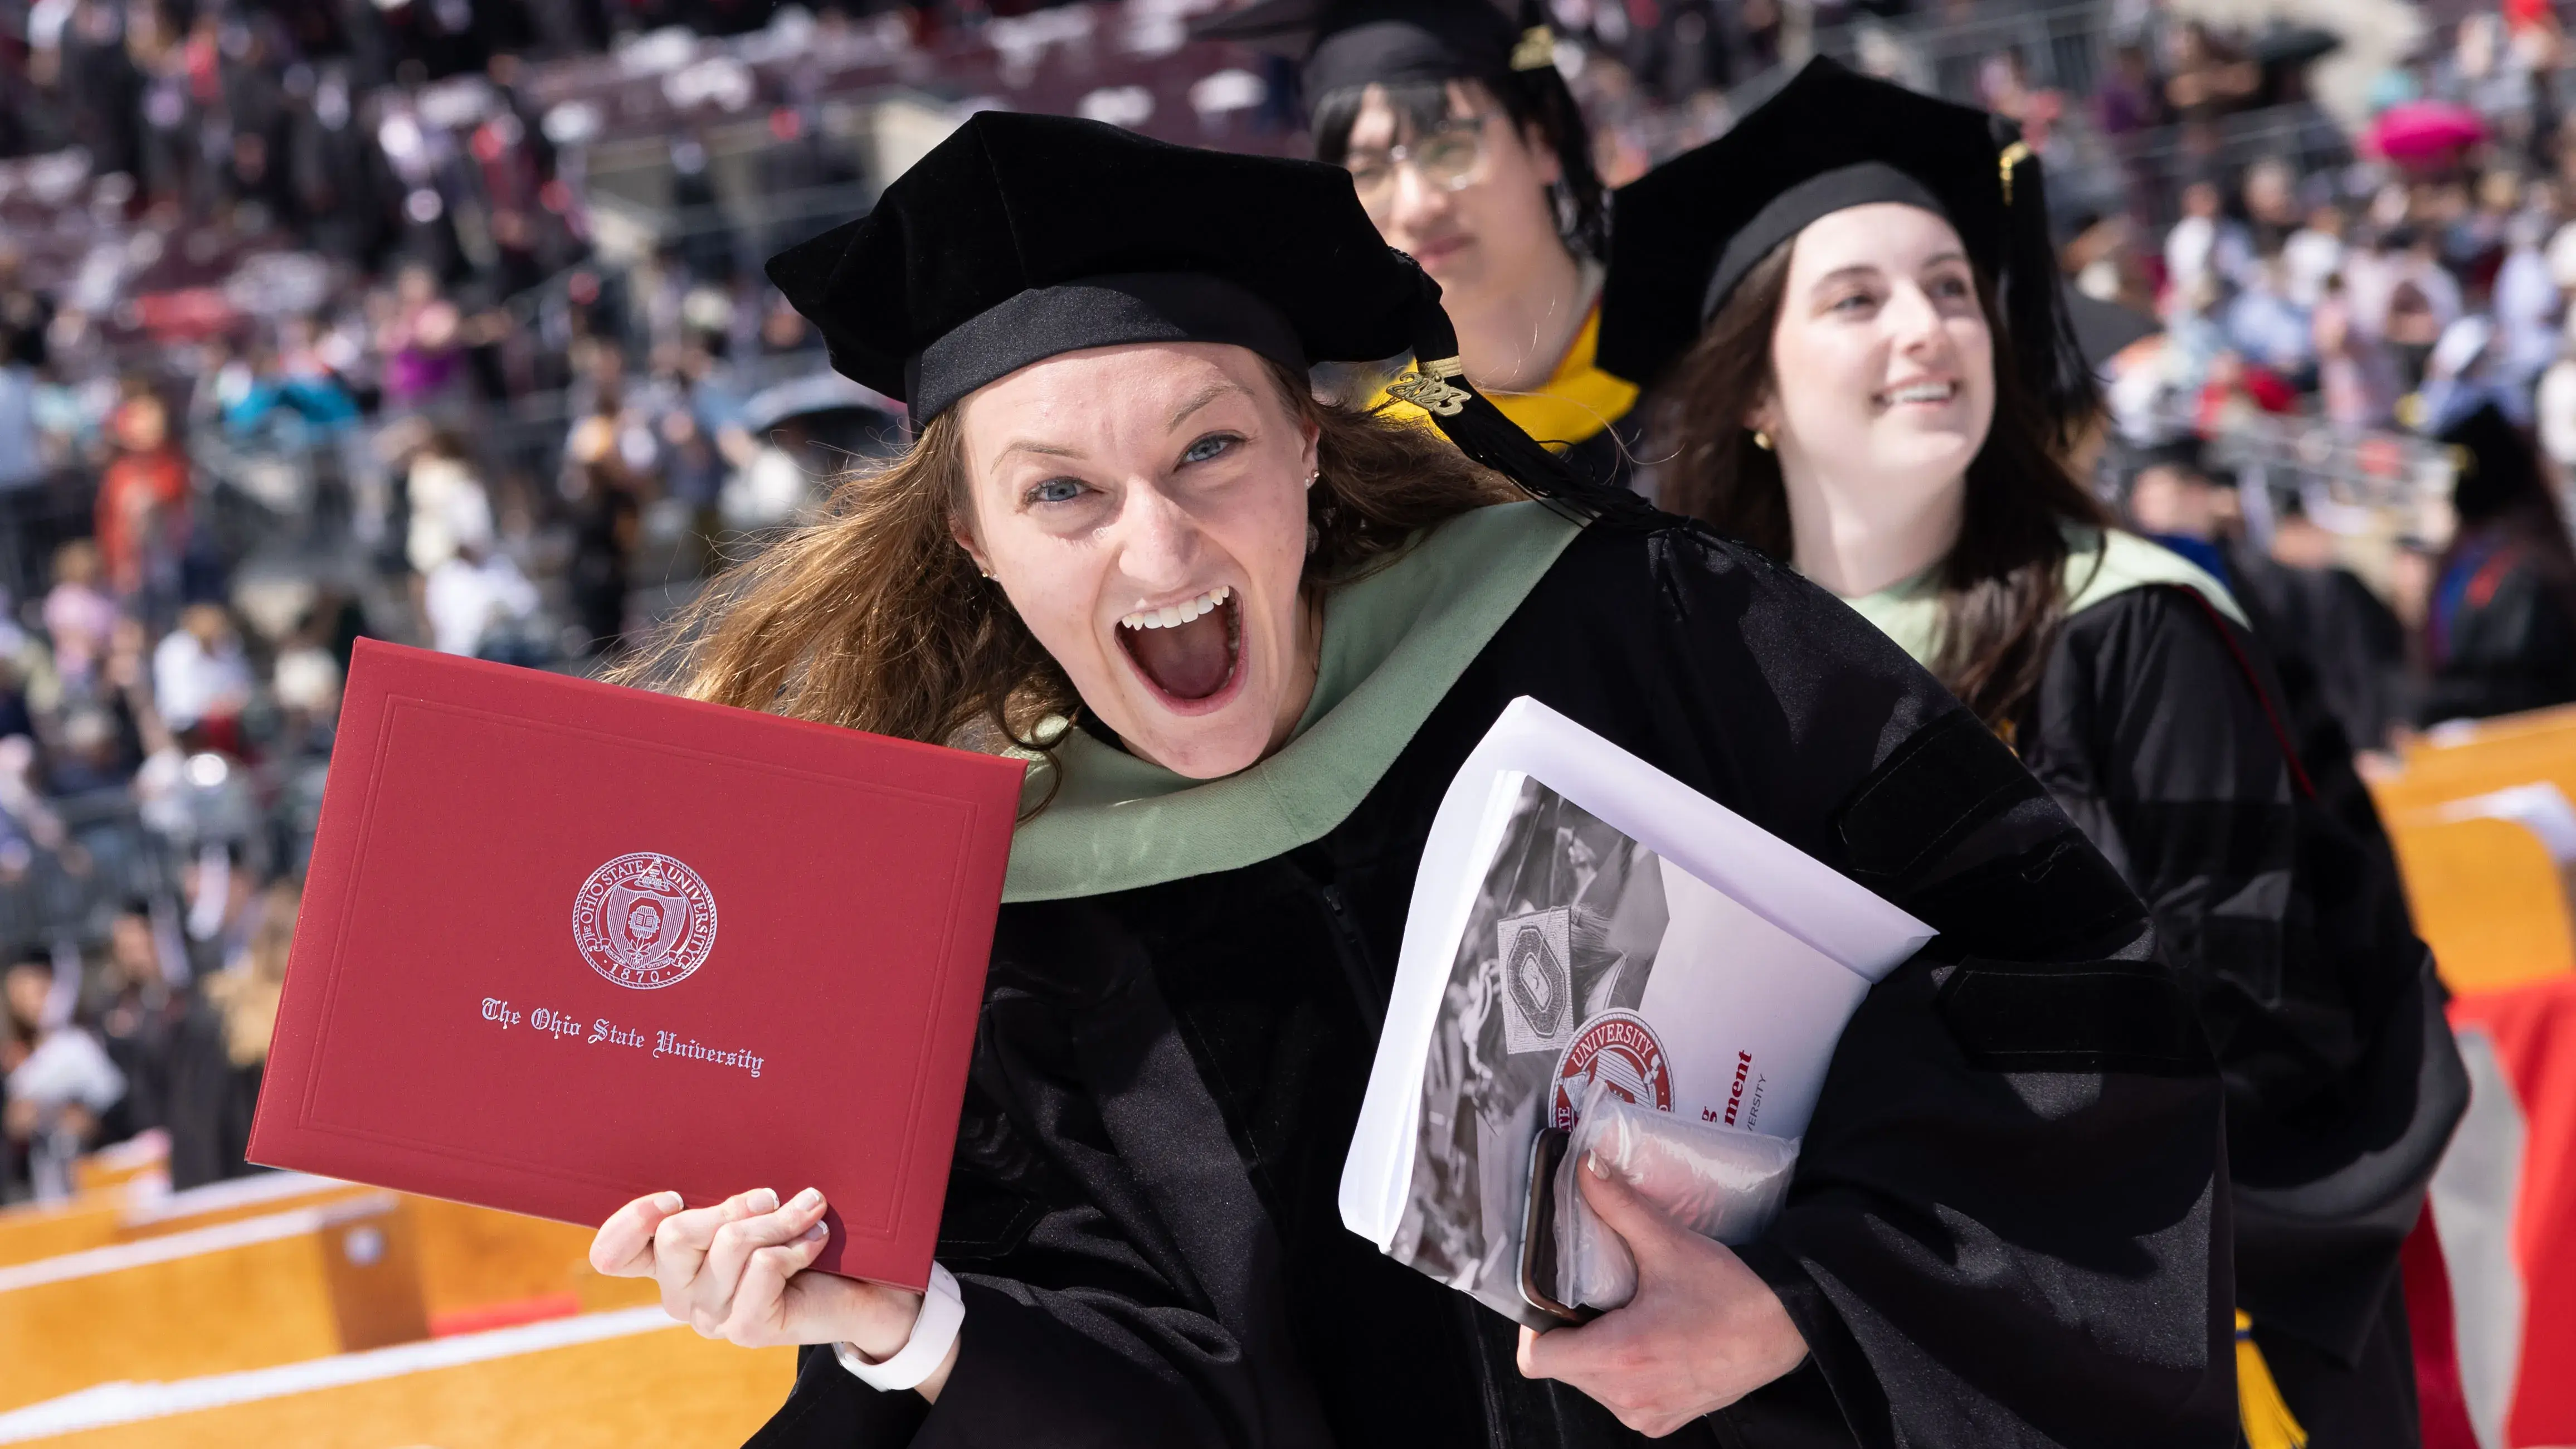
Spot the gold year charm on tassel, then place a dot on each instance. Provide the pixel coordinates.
(1429, 388)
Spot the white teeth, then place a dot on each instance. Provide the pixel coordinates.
(1924, 392)
(1172, 616)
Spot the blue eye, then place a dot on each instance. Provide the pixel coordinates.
(1212, 446)
(1056, 490)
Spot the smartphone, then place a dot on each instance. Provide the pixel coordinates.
(1538, 1230)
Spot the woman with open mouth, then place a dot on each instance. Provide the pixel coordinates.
(1843, 392)
(1248, 638)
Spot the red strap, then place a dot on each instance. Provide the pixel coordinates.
(2253, 681)
(2441, 1404)
(2491, 576)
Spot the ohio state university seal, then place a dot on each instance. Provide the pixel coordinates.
(1618, 1048)
(644, 920)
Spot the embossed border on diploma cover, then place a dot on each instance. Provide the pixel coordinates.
(442, 1032)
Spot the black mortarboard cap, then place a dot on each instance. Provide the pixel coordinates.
(1342, 45)
(2184, 452)
(1020, 237)
(1345, 43)
(1684, 235)
(2103, 330)
(2493, 464)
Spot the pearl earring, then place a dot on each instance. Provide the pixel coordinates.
(1762, 440)
(1311, 477)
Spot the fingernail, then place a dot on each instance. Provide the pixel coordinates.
(1593, 1160)
(761, 1200)
(669, 1202)
(814, 1234)
(807, 1200)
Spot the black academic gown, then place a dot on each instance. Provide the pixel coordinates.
(2008, 1222)
(2155, 726)
(2510, 645)
(211, 1102)
(2339, 651)
(1608, 457)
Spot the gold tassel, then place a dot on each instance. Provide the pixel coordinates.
(2013, 155)
(2260, 1409)
(1428, 388)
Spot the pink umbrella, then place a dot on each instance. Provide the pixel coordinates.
(2419, 132)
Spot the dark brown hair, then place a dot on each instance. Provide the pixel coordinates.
(1529, 99)
(2002, 585)
(871, 617)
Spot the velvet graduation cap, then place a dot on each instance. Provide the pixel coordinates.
(2494, 465)
(1684, 235)
(1021, 237)
(1345, 44)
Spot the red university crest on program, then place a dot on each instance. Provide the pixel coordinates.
(644, 920)
(1619, 1049)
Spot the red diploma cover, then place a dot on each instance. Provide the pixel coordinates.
(565, 944)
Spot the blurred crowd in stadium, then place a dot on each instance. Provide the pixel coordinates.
(441, 320)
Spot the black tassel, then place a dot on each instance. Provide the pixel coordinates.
(2043, 341)
(1438, 385)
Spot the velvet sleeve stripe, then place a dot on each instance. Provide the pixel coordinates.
(1929, 795)
(2102, 1016)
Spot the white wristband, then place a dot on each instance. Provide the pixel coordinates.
(942, 1312)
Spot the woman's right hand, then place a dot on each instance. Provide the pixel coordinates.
(738, 1271)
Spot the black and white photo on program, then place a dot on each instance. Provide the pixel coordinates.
(1566, 927)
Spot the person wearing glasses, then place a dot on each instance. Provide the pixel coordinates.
(1470, 154)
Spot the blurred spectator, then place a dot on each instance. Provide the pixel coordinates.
(447, 503)
(2554, 409)
(2205, 246)
(2207, 80)
(2268, 325)
(219, 1051)
(21, 455)
(61, 1085)
(607, 523)
(421, 341)
(2313, 255)
(479, 604)
(200, 678)
(2355, 385)
(2500, 627)
(80, 618)
(2527, 307)
(143, 506)
(2129, 99)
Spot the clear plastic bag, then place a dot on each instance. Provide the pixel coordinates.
(1720, 1182)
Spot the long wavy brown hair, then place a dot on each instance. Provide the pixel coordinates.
(872, 617)
(2003, 591)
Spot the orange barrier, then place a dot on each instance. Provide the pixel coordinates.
(2488, 899)
(631, 1380)
(2488, 895)
(128, 1211)
(300, 1284)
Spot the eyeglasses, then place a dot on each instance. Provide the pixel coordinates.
(1448, 159)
